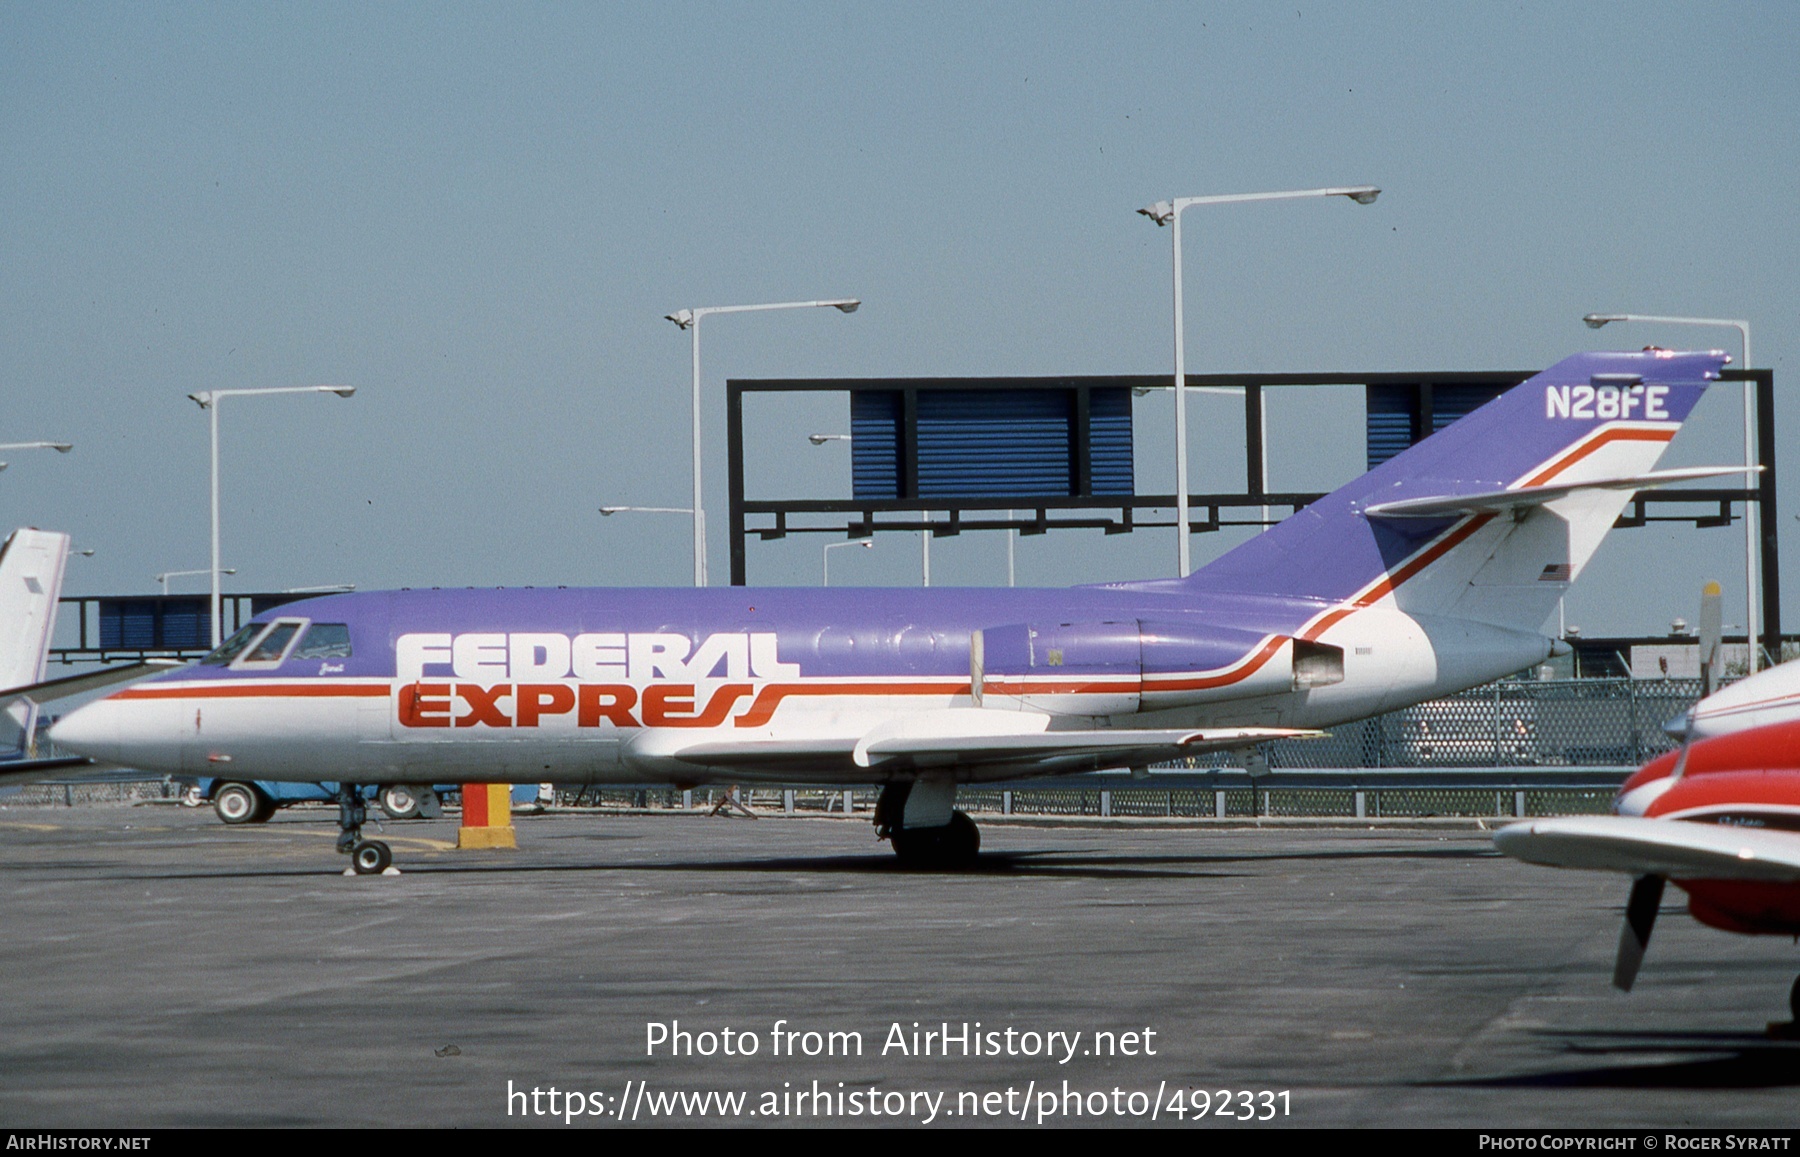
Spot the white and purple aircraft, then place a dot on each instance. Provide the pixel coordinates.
(1430, 574)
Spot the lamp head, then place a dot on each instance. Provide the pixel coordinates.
(609, 511)
(340, 391)
(681, 317)
(202, 398)
(1596, 320)
(1162, 212)
(847, 306)
(61, 447)
(1364, 196)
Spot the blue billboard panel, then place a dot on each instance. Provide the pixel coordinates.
(990, 443)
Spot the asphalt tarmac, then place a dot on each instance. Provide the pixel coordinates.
(161, 969)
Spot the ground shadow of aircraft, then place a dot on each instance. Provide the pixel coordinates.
(1707, 1060)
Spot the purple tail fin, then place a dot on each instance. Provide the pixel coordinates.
(1590, 417)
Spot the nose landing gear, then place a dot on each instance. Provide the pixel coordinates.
(367, 857)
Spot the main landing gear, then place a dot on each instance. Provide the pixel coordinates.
(925, 830)
(367, 857)
(1789, 1029)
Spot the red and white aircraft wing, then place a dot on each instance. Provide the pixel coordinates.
(1656, 847)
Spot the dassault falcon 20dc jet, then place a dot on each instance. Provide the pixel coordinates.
(1430, 574)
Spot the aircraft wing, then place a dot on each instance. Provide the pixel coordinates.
(1495, 500)
(52, 689)
(1678, 849)
(17, 772)
(1002, 741)
(1113, 747)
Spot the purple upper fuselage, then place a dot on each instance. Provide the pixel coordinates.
(1322, 556)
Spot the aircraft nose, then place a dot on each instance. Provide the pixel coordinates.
(92, 731)
(1637, 801)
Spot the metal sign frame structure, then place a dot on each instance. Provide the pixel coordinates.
(771, 519)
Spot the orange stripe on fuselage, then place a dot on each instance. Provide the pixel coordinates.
(1387, 584)
(769, 698)
(1206, 682)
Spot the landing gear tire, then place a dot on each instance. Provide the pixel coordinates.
(956, 845)
(400, 801)
(367, 857)
(371, 858)
(239, 803)
(1788, 1029)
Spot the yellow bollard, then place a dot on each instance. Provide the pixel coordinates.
(486, 817)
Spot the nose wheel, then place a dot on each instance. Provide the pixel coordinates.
(367, 857)
(371, 858)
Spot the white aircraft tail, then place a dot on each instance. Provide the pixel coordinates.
(31, 576)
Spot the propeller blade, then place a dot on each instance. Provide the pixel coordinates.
(1640, 918)
(1711, 614)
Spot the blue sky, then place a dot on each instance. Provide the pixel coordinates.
(478, 214)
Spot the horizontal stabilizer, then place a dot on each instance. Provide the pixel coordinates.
(1451, 505)
(52, 689)
(1678, 849)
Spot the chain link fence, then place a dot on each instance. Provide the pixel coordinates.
(1604, 724)
(1511, 723)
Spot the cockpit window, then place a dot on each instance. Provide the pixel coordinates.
(270, 646)
(324, 641)
(233, 647)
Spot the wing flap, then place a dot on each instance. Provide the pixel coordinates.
(1117, 744)
(1678, 849)
(1441, 506)
(1023, 753)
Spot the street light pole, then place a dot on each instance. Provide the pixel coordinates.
(925, 535)
(1169, 213)
(59, 447)
(689, 319)
(167, 575)
(825, 554)
(209, 400)
(1751, 514)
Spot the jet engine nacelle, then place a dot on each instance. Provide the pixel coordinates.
(1117, 667)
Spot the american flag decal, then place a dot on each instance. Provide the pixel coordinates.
(1556, 572)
